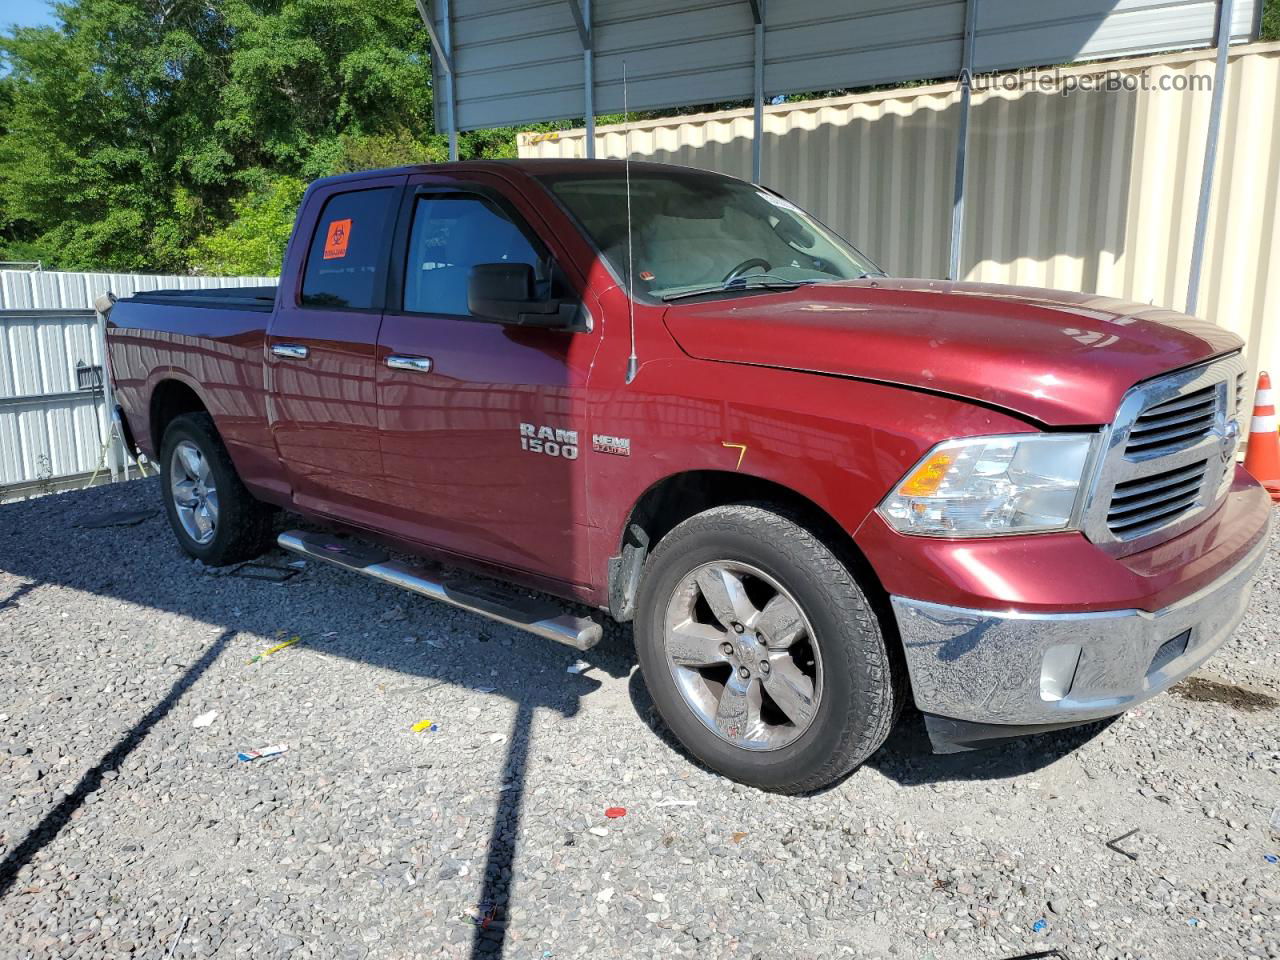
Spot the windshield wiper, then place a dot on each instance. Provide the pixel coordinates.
(767, 282)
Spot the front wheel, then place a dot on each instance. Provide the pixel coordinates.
(761, 651)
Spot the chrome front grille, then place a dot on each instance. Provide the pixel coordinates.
(1168, 458)
(1147, 503)
(1174, 423)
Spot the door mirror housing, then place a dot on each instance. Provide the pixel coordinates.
(505, 293)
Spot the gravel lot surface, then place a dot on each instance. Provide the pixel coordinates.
(128, 828)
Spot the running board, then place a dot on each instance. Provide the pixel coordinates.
(543, 618)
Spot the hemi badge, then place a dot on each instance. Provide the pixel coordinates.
(618, 446)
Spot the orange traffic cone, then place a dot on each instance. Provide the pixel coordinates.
(1262, 458)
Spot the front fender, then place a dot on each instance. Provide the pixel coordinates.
(836, 442)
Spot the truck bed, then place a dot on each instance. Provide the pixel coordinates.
(261, 299)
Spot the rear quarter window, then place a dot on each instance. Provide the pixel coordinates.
(345, 265)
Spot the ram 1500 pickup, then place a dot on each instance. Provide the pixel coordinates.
(677, 398)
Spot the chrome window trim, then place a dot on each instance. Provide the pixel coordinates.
(1114, 467)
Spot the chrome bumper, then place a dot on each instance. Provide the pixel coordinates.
(1016, 668)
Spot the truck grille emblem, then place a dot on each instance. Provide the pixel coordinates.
(1229, 440)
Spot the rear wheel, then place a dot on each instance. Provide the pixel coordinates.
(761, 651)
(215, 519)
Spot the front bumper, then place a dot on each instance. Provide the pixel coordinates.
(1051, 670)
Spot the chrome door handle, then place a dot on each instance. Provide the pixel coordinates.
(290, 350)
(399, 361)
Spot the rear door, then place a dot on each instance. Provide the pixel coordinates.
(321, 345)
(482, 423)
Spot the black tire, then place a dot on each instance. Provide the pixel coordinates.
(244, 525)
(862, 693)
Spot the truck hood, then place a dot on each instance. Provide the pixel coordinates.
(1059, 358)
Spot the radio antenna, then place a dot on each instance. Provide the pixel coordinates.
(633, 363)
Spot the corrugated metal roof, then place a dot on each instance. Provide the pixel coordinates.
(520, 61)
(1014, 33)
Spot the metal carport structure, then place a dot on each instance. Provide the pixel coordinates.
(513, 62)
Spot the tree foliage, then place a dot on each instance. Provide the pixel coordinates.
(253, 243)
(138, 134)
(167, 135)
(1270, 27)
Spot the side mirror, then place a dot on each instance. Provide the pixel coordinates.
(504, 293)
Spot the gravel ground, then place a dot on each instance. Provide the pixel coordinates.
(128, 829)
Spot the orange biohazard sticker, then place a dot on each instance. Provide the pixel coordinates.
(335, 244)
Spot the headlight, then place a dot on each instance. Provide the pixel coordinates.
(983, 486)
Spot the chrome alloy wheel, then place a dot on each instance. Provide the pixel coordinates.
(195, 498)
(743, 656)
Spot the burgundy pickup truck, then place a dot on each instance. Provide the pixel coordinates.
(676, 398)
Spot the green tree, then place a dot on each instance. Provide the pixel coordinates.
(1270, 21)
(91, 159)
(132, 129)
(253, 243)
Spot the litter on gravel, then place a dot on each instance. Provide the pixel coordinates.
(205, 719)
(1114, 844)
(941, 856)
(482, 915)
(265, 571)
(262, 753)
(276, 649)
(178, 936)
(116, 518)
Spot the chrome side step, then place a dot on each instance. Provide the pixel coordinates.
(541, 617)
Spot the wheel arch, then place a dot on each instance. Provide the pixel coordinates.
(675, 498)
(170, 398)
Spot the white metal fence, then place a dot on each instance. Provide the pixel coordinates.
(55, 290)
(52, 431)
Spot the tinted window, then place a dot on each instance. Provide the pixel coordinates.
(344, 265)
(450, 235)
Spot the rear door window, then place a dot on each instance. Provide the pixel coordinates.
(345, 265)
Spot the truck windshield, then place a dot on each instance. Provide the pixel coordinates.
(694, 232)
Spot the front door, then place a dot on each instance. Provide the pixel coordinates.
(320, 351)
(482, 423)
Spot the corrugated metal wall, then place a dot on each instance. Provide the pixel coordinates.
(56, 290)
(520, 61)
(1095, 191)
(48, 428)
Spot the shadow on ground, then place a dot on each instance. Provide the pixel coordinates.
(75, 550)
(907, 757)
(109, 561)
